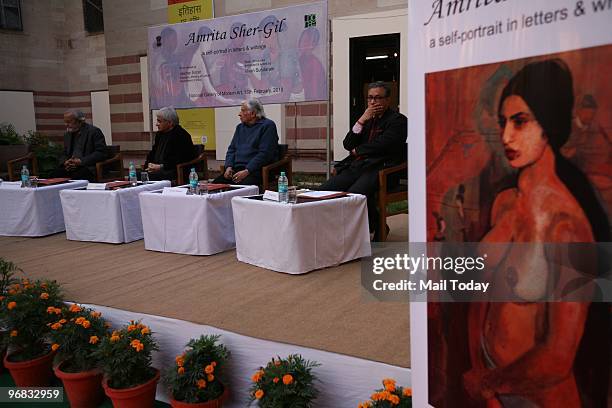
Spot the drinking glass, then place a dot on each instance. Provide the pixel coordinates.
(203, 187)
(144, 177)
(292, 194)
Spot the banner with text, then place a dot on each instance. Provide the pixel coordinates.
(278, 55)
(511, 117)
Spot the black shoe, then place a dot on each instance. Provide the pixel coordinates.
(376, 237)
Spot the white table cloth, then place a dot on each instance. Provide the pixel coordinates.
(32, 212)
(190, 224)
(297, 238)
(105, 215)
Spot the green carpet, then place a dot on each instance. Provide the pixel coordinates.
(7, 381)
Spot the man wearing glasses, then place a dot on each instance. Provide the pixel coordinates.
(376, 140)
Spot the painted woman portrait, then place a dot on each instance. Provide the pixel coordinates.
(523, 354)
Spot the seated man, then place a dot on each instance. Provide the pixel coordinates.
(172, 146)
(254, 145)
(84, 146)
(377, 140)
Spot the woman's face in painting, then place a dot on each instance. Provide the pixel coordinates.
(522, 136)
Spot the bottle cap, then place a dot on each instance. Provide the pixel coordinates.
(282, 173)
(193, 169)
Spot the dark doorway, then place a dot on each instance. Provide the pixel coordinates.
(373, 58)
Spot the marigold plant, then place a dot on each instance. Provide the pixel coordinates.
(24, 312)
(125, 355)
(391, 396)
(197, 375)
(284, 383)
(76, 334)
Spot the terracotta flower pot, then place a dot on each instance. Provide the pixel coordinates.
(84, 389)
(141, 396)
(31, 373)
(217, 403)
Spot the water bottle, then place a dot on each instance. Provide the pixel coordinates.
(193, 181)
(283, 185)
(132, 174)
(25, 177)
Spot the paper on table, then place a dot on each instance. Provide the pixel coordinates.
(321, 194)
(174, 191)
(96, 186)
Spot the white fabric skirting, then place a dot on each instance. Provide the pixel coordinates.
(343, 381)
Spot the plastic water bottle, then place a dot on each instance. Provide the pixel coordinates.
(193, 181)
(283, 185)
(132, 175)
(25, 177)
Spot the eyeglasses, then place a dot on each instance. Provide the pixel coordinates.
(375, 98)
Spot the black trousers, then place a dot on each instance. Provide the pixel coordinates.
(359, 180)
(252, 179)
(163, 175)
(80, 173)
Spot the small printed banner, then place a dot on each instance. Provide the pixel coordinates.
(278, 55)
(182, 11)
(199, 123)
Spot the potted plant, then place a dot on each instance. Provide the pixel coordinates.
(76, 335)
(129, 379)
(391, 396)
(284, 383)
(12, 146)
(197, 378)
(29, 358)
(7, 278)
(47, 152)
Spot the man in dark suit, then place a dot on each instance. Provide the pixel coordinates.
(84, 146)
(172, 146)
(377, 140)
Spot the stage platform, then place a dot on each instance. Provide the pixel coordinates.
(324, 310)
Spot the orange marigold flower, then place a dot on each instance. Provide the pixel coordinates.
(86, 324)
(95, 314)
(390, 386)
(63, 321)
(364, 405)
(14, 333)
(276, 380)
(407, 392)
(201, 383)
(131, 327)
(393, 399)
(44, 296)
(377, 396)
(93, 339)
(135, 343)
(145, 330)
(259, 394)
(11, 305)
(56, 326)
(209, 369)
(114, 338)
(257, 376)
(74, 308)
(210, 377)
(79, 320)
(181, 370)
(214, 364)
(287, 379)
(179, 361)
(54, 346)
(57, 311)
(50, 309)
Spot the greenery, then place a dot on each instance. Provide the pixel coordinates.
(47, 152)
(391, 396)
(9, 136)
(7, 276)
(26, 310)
(284, 383)
(125, 356)
(198, 375)
(76, 335)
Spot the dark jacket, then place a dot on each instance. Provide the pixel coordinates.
(171, 148)
(254, 146)
(387, 147)
(90, 141)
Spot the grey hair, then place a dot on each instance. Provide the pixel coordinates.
(168, 113)
(76, 113)
(381, 84)
(254, 105)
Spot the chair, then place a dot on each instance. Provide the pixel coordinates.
(200, 163)
(271, 172)
(14, 166)
(389, 193)
(112, 168)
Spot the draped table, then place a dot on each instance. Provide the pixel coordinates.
(297, 238)
(190, 224)
(32, 212)
(105, 215)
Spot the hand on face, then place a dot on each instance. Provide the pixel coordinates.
(378, 103)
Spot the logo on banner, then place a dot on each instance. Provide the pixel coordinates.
(310, 20)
